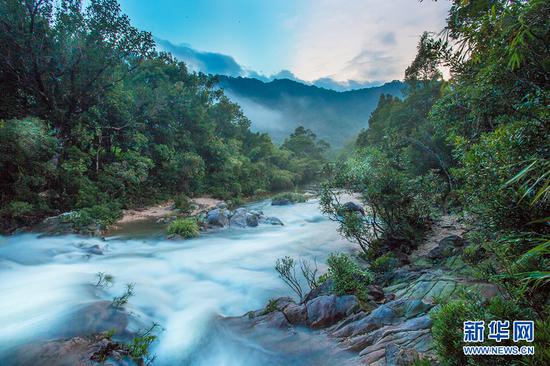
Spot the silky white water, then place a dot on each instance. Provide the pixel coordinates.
(182, 285)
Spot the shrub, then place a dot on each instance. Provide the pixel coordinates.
(293, 197)
(102, 215)
(282, 179)
(448, 322)
(270, 307)
(120, 301)
(18, 209)
(186, 228)
(183, 203)
(384, 263)
(347, 276)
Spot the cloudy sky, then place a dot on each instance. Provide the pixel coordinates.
(346, 42)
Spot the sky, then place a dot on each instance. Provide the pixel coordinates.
(332, 43)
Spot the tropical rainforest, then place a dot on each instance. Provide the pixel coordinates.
(94, 119)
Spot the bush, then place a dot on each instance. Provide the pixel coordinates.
(347, 276)
(186, 228)
(103, 215)
(384, 263)
(448, 323)
(183, 203)
(281, 179)
(270, 307)
(18, 209)
(293, 197)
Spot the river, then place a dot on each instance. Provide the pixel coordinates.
(182, 285)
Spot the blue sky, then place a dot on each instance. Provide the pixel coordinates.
(345, 41)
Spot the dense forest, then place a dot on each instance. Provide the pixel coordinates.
(93, 118)
(477, 145)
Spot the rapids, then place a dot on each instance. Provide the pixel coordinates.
(182, 285)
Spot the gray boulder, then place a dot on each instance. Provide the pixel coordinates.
(217, 217)
(353, 207)
(324, 311)
(447, 247)
(243, 218)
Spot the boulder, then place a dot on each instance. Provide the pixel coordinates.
(217, 217)
(243, 218)
(296, 314)
(91, 350)
(324, 288)
(353, 207)
(447, 247)
(324, 311)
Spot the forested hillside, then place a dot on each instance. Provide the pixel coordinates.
(279, 106)
(93, 118)
(476, 146)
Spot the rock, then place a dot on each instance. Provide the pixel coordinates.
(375, 293)
(452, 240)
(271, 220)
(324, 288)
(217, 217)
(447, 247)
(242, 218)
(97, 317)
(353, 207)
(296, 314)
(221, 205)
(92, 350)
(281, 202)
(398, 356)
(391, 313)
(326, 310)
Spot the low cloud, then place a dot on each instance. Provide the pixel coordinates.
(367, 65)
(207, 62)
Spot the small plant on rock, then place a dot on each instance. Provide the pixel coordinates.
(270, 307)
(186, 228)
(104, 280)
(120, 301)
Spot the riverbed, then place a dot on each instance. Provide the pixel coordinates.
(182, 285)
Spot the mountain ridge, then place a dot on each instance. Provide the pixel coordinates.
(280, 105)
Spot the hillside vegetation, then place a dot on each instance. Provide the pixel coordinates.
(476, 146)
(279, 106)
(93, 118)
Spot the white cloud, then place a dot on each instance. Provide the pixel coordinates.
(362, 40)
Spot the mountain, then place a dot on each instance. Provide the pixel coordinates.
(281, 105)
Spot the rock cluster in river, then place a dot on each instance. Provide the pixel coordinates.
(393, 326)
(221, 217)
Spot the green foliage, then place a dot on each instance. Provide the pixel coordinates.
(183, 203)
(117, 121)
(104, 280)
(286, 267)
(270, 307)
(293, 197)
(139, 346)
(186, 228)
(384, 263)
(120, 301)
(102, 215)
(18, 209)
(447, 330)
(347, 276)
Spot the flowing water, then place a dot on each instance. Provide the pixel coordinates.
(182, 285)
